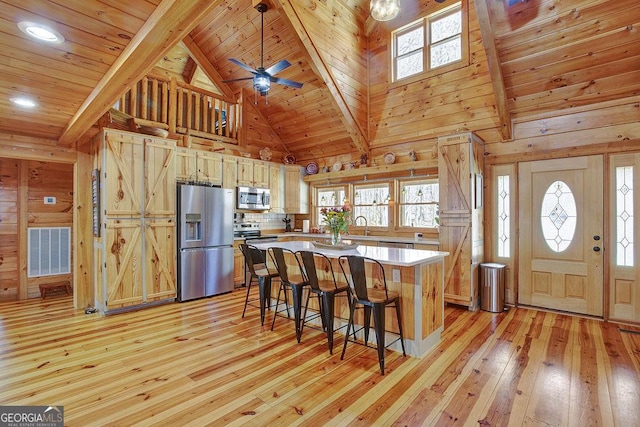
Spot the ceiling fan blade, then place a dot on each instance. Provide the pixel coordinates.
(286, 82)
(276, 68)
(237, 80)
(243, 66)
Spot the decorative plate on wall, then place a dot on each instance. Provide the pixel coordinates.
(336, 166)
(389, 158)
(289, 159)
(265, 153)
(311, 168)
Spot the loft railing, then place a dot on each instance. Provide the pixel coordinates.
(181, 108)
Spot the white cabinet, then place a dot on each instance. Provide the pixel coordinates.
(296, 191)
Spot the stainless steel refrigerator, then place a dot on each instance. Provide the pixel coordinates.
(205, 241)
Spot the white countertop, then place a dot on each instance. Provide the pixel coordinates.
(394, 256)
(364, 238)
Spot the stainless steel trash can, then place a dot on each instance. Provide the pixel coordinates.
(492, 287)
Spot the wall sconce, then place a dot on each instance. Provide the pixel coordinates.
(384, 10)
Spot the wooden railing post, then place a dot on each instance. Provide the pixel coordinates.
(173, 101)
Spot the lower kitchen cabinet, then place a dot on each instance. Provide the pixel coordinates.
(238, 264)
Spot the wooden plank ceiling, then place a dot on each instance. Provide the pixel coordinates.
(551, 55)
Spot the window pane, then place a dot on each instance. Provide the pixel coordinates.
(329, 197)
(558, 216)
(624, 216)
(504, 217)
(409, 65)
(419, 203)
(372, 202)
(446, 27)
(410, 41)
(446, 52)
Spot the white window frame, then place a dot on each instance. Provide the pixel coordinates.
(425, 22)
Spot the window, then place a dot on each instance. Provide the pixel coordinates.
(372, 202)
(624, 216)
(419, 203)
(329, 197)
(504, 216)
(429, 43)
(558, 216)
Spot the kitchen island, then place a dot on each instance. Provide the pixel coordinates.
(417, 275)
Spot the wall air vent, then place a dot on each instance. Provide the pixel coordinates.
(49, 251)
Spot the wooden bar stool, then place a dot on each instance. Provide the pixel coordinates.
(257, 265)
(370, 298)
(326, 289)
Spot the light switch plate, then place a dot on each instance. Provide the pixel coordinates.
(49, 200)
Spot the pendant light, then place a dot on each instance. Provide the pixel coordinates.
(384, 10)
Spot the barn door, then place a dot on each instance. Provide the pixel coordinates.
(123, 175)
(123, 267)
(160, 178)
(561, 243)
(460, 205)
(160, 259)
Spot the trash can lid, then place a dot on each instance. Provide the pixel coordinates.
(492, 265)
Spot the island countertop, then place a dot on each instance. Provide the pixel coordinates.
(418, 277)
(393, 256)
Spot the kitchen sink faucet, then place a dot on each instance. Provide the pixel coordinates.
(366, 225)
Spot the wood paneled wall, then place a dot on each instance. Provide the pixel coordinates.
(411, 116)
(23, 186)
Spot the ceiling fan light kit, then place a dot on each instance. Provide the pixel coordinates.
(384, 10)
(262, 78)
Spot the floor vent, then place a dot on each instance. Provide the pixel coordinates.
(49, 251)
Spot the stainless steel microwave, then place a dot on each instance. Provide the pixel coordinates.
(252, 198)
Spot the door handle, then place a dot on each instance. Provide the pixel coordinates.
(596, 248)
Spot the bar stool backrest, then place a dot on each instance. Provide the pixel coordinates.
(309, 263)
(357, 270)
(277, 256)
(254, 258)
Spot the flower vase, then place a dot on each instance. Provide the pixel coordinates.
(336, 238)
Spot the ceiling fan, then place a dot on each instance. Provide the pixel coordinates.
(262, 77)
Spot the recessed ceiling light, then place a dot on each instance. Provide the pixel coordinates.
(40, 32)
(24, 102)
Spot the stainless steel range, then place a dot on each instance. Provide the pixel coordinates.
(252, 232)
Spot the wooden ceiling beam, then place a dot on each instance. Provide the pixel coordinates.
(205, 65)
(500, 93)
(171, 21)
(321, 69)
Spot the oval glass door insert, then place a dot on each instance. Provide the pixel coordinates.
(558, 216)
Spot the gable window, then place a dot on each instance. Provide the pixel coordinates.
(430, 44)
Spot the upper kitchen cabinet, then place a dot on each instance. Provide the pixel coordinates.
(159, 178)
(253, 173)
(460, 165)
(123, 169)
(209, 167)
(185, 164)
(296, 191)
(229, 172)
(276, 187)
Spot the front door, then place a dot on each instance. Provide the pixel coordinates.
(561, 243)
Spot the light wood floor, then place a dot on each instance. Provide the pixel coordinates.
(200, 363)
